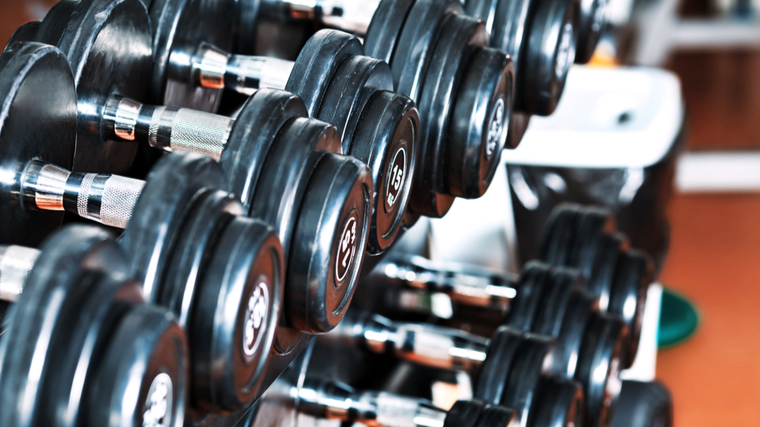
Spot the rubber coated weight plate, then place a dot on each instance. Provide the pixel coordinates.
(180, 28)
(560, 229)
(26, 32)
(629, 295)
(592, 21)
(479, 127)
(386, 140)
(548, 56)
(464, 413)
(329, 242)
(579, 310)
(530, 288)
(497, 416)
(528, 366)
(93, 35)
(605, 265)
(385, 28)
(37, 121)
(509, 25)
(170, 191)
(248, 14)
(485, 10)
(236, 314)
(561, 403)
(142, 378)
(316, 64)
(601, 351)
(252, 136)
(557, 289)
(644, 404)
(593, 224)
(518, 125)
(492, 377)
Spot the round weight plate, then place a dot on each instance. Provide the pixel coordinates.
(142, 378)
(560, 403)
(629, 296)
(37, 121)
(559, 234)
(479, 126)
(528, 366)
(169, 194)
(180, 28)
(592, 22)
(508, 32)
(524, 308)
(493, 374)
(329, 242)
(497, 416)
(601, 352)
(386, 140)
(415, 44)
(485, 10)
(252, 136)
(593, 224)
(233, 325)
(316, 64)
(26, 32)
(385, 28)
(52, 293)
(548, 56)
(465, 413)
(559, 286)
(93, 34)
(580, 308)
(605, 265)
(248, 14)
(518, 125)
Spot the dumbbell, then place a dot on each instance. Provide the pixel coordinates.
(185, 236)
(585, 238)
(385, 140)
(82, 346)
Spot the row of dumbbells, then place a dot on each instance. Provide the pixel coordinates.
(568, 325)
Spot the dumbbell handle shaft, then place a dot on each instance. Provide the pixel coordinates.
(327, 399)
(107, 199)
(216, 69)
(16, 263)
(352, 16)
(427, 345)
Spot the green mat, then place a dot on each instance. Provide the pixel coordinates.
(679, 319)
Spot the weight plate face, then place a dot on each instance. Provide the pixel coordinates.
(524, 308)
(252, 136)
(37, 121)
(593, 16)
(560, 403)
(628, 296)
(234, 320)
(386, 141)
(600, 282)
(26, 32)
(593, 224)
(485, 10)
(180, 28)
(316, 64)
(170, 191)
(579, 310)
(385, 28)
(559, 234)
(330, 238)
(465, 413)
(530, 363)
(557, 290)
(492, 378)
(93, 37)
(145, 366)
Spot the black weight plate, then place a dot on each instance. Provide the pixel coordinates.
(592, 21)
(548, 56)
(601, 351)
(605, 265)
(557, 289)
(593, 224)
(560, 404)
(497, 416)
(233, 323)
(559, 233)
(464, 413)
(386, 139)
(479, 126)
(385, 28)
(41, 315)
(142, 378)
(316, 64)
(415, 44)
(518, 125)
(329, 242)
(26, 32)
(530, 287)
(180, 28)
(579, 310)
(644, 404)
(628, 296)
(170, 191)
(37, 121)
(248, 14)
(492, 377)
(252, 136)
(93, 35)
(485, 10)
(530, 364)
(510, 25)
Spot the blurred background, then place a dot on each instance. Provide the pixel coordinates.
(714, 48)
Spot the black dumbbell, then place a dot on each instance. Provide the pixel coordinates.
(644, 404)
(82, 346)
(585, 238)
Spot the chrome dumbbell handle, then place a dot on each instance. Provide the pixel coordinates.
(167, 128)
(351, 16)
(107, 199)
(16, 263)
(327, 399)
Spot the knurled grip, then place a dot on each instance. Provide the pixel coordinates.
(181, 129)
(16, 262)
(108, 199)
(396, 411)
